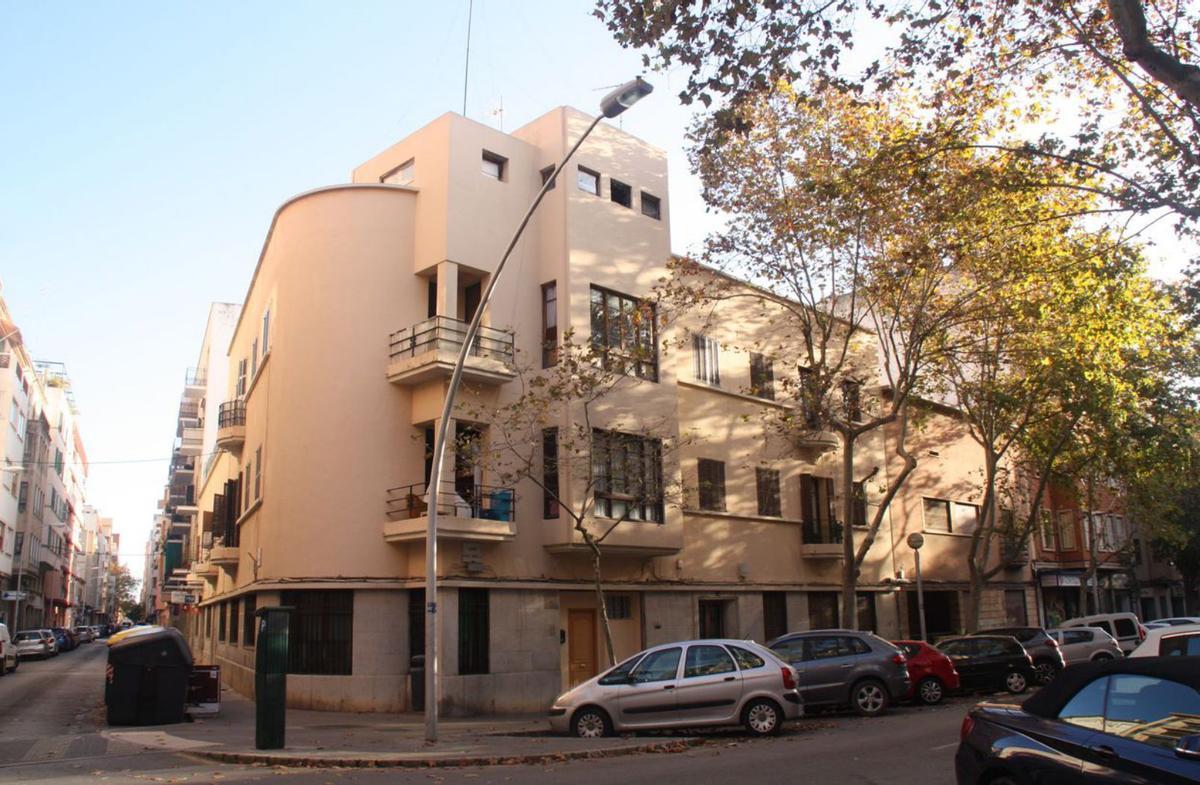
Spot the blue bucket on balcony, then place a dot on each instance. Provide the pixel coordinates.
(500, 506)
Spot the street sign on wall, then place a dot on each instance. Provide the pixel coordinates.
(11, 596)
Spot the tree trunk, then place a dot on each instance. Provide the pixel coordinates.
(608, 641)
(849, 567)
(977, 559)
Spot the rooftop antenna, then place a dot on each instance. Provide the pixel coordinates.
(467, 65)
(498, 112)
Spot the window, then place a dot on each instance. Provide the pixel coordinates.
(620, 193)
(852, 400)
(547, 173)
(859, 489)
(1185, 645)
(620, 674)
(767, 483)
(1149, 709)
(258, 474)
(401, 175)
(1046, 527)
(241, 380)
(221, 618)
(762, 377)
(651, 206)
(966, 518)
(707, 660)
(473, 607)
(588, 181)
(829, 646)
(266, 332)
(627, 476)
(493, 165)
(706, 359)
(254, 358)
(320, 631)
(549, 324)
(817, 512)
(248, 627)
(774, 614)
(1075, 636)
(712, 484)
(618, 606)
(658, 666)
(550, 473)
(625, 333)
(746, 660)
(235, 616)
(1126, 628)
(1066, 530)
(937, 515)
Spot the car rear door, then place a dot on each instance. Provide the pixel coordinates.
(828, 663)
(649, 698)
(711, 686)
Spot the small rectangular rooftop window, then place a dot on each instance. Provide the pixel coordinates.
(651, 206)
(620, 193)
(493, 165)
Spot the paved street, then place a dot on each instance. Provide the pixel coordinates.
(52, 729)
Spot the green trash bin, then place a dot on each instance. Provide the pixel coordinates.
(270, 677)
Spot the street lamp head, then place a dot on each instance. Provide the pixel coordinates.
(624, 97)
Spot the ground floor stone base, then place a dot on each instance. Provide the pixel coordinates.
(513, 650)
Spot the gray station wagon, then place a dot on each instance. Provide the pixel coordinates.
(685, 684)
(845, 668)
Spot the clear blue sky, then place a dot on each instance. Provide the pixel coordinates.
(145, 145)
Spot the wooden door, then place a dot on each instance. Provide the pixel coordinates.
(581, 644)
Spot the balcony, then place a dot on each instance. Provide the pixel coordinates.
(194, 382)
(224, 556)
(191, 441)
(205, 569)
(428, 349)
(478, 512)
(821, 541)
(231, 426)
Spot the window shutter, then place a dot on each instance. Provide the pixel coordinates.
(830, 501)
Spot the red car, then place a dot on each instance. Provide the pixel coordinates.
(931, 672)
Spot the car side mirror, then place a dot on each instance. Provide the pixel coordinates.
(1188, 747)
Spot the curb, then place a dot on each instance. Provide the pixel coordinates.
(341, 761)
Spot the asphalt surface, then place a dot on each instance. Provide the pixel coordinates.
(52, 730)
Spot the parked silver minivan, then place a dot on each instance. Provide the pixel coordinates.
(1125, 627)
(683, 684)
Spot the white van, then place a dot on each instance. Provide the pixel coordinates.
(8, 652)
(1125, 627)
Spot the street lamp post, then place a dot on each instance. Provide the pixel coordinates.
(915, 541)
(611, 105)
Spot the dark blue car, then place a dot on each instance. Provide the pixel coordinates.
(64, 640)
(1120, 721)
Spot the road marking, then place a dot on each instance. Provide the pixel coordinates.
(944, 746)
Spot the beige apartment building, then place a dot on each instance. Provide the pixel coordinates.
(336, 371)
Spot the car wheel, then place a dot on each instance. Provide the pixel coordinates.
(1001, 781)
(1015, 682)
(1102, 657)
(1044, 672)
(591, 723)
(762, 717)
(869, 698)
(930, 690)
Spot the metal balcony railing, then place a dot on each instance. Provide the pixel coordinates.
(196, 377)
(231, 413)
(442, 332)
(817, 535)
(487, 502)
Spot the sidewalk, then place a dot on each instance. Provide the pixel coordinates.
(343, 739)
